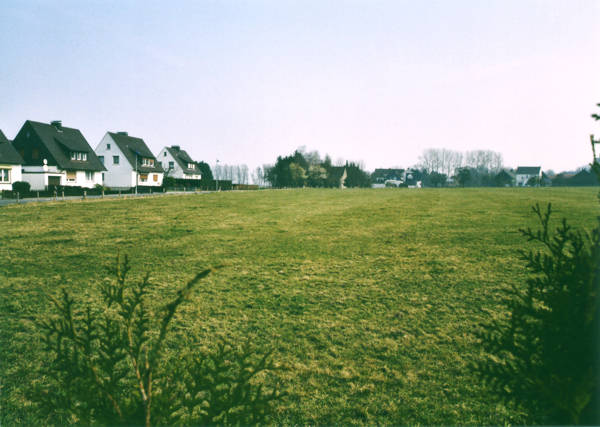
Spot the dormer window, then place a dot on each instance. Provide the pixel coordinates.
(190, 166)
(147, 162)
(79, 155)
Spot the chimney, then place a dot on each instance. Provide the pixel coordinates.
(122, 133)
(175, 147)
(57, 124)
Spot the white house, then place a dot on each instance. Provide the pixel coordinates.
(525, 173)
(10, 164)
(54, 155)
(178, 164)
(128, 161)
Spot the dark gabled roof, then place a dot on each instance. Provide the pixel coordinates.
(183, 159)
(506, 172)
(135, 148)
(8, 153)
(383, 174)
(528, 170)
(61, 142)
(336, 172)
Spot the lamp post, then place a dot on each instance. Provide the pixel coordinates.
(136, 173)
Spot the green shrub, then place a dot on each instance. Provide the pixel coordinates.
(21, 187)
(108, 364)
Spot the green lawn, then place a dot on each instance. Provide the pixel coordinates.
(369, 297)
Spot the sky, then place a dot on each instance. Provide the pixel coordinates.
(373, 81)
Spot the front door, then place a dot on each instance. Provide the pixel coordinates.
(53, 182)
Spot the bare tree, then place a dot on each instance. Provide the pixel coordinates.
(484, 160)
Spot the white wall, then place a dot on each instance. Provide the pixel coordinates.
(116, 176)
(150, 181)
(177, 172)
(15, 175)
(164, 157)
(521, 179)
(37, 177)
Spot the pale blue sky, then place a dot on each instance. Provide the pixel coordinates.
(245, 81)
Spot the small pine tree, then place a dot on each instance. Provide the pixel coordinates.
(544, 356)
(108, 365)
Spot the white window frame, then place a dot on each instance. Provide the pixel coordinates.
(5, 175)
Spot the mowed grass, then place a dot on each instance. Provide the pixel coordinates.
(369, 298)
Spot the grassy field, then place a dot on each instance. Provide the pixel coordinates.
(369, 297)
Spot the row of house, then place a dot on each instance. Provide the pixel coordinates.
(523, 176)
(48, 155)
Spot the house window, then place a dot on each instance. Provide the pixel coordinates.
(147, 162)
(165, 155)
(108, 146)
(79, 155)
(155, 178)
(89, 176)
(101, 158)
(115, 160)
(35, 154)
(144, 177)
(71, 176)
(4, 175)
(171, 165)
(190, 166)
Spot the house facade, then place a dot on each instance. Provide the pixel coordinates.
(178, 164)
(525, 173)
(54, 155)
(128, 161)
(10, 164)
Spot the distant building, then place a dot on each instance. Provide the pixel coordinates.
(10, 164)
(525, 173)
(413, 178)
(380, 176)
(54, 155)
(129, 162)
(178, 164)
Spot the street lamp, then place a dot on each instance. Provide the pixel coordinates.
(136, 173)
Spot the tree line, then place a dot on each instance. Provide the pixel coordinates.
(308, 169)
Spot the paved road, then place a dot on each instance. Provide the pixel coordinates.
(5, 202)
